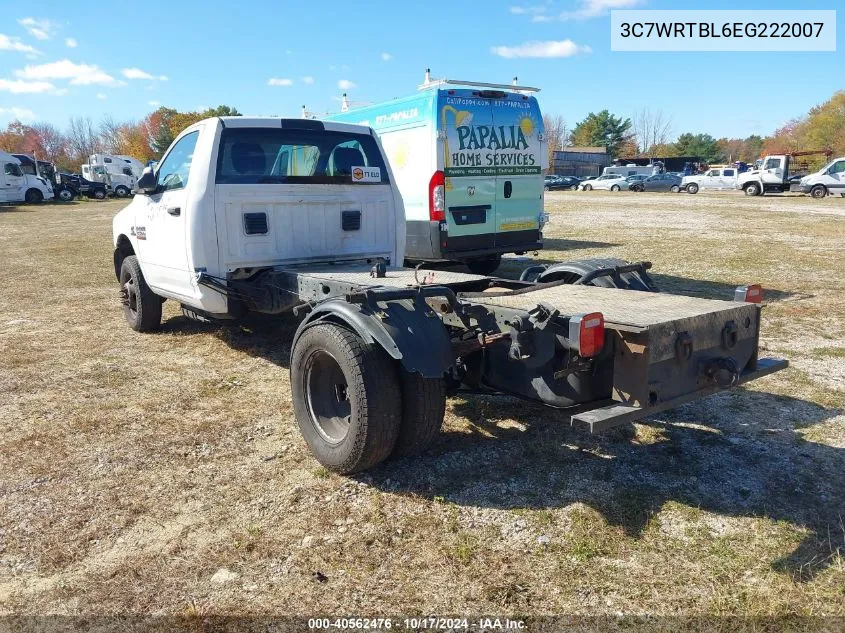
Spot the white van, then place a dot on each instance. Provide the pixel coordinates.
(469, 160)
(829, 180)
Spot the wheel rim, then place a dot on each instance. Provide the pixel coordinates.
(327, 396)
(615, 188)
(65, 195)
(129, 295)
(818, 192)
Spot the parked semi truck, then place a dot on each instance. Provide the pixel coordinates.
(34, 186)
(276, 215)
(776, 173)
(468, 159)
(118, 172)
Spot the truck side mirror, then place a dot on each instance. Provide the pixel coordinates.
(148, 182)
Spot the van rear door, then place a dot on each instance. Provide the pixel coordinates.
(518, 126)
(470, 177)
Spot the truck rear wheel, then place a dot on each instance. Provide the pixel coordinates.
(423, 408)
(752, 189)
(484, 265)
(99, 194)
(818, 192)
(141, 306)
(346, 397)
(121, 192)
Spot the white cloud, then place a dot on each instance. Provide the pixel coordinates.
(562, 48)
(21, 114)
(39, 29)
(308, 80)
(154, 103)
(137, 73)
(102, 96)
(276, 81)
(77, 74)
(386, 56)
(19, 87)
(14, 44)
(71, 43)
(345, 84)
(531, 10)
(588, 9)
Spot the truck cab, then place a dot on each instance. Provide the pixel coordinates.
(828, 180)
(36, 186)
(119, 171)
(234, 197)
(12, 179)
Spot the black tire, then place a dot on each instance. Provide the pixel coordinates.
(574, 188)
(818, 192)
(588, 187)
(121, 192)
(484, 265)
(752, 189)
(141, 306)
(98, 194)
(546, 188)
(65, 195)
(33, 196)
(423, 408)
(346, 397)
(615, 188)
(692, 188)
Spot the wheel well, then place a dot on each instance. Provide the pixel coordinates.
(122, 251)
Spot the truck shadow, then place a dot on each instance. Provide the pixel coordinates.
(749, 461)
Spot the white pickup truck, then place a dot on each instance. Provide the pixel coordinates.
(277, 215)
(715, 178)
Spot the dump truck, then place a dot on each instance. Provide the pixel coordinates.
(266, 215)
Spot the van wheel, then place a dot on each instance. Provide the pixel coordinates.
(346, 398)
(752, 189)
(692, 188)
(423, 408)
(99, 194)
(484, 265)
(33, 196)
(121, 191)
(141, 306)
(818, 192)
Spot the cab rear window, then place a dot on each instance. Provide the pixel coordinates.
(279, 156)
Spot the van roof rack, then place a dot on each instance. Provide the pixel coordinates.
(433, 83)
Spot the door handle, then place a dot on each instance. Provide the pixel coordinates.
(174, 211)
(508, 188)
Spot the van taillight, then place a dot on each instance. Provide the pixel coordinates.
(586, 333)
(437, 197)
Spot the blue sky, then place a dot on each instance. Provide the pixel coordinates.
(63, 59)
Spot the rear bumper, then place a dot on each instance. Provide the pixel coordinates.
(426, 242)
(615, 414)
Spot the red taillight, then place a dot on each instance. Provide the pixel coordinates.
(437, 197)
(749, 294)
(586, 332)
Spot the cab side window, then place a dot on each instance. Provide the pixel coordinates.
(729, 172)
(772, 163)
(174, 170)
(10, 169)
(837, 167)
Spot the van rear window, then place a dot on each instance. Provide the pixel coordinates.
(279, 156)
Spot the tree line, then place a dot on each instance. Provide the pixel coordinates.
(649, 134)
(145, 140)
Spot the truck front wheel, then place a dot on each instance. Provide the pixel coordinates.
(141, 306)
(818, 192)
(346, 398)
(752, 189)
(33, 196)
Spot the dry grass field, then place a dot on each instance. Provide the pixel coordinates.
(165, 474)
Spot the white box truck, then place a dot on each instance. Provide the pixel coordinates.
(469, 160)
